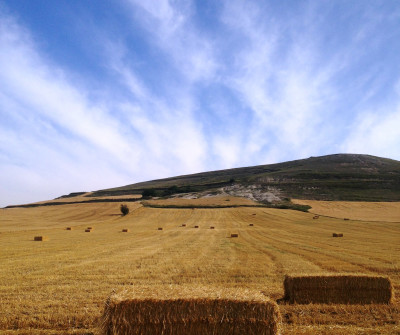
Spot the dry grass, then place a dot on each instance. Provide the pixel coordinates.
(338, 289)
(60, 286)
(190, 310)
(353, 210)
(86, 197)
(206, 201)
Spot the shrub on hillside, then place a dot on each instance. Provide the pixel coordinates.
(124, 209)
(148, 193)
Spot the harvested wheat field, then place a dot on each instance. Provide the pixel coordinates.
(365, 211)
(88, 197)
(208, 201)
(61, 286)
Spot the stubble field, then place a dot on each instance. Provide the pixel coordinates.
(60, 286)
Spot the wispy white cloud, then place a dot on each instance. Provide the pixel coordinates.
(284, 86)
(375, 132)
(171, 26)
(177, 87)
(54, 129)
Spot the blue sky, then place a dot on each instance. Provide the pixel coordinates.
(99, 94)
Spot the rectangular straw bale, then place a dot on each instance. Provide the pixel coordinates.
(183, 224)
(196, 226)
(88, 230)
(69, 228)
(180, 310)
(160, 228)
(41, 238)
(212, 227)
(234, 235)
(251, 224)
(337, 235)
(338, 289)
(125, 230)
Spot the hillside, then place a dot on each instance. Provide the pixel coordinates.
(348, 177)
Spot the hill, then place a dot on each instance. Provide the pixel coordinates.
(348, 177)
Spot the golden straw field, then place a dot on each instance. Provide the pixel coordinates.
(60, 286)
(356, 210)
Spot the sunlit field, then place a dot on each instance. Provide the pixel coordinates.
(60, 286)
(356, 210)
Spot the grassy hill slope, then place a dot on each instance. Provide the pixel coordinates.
(334, 177)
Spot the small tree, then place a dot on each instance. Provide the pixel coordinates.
(124, 209)
(148, 193)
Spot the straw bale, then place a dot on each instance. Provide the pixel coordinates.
(338, 289)
(316, 217)
(183, 224)
(88, 230)
(337, 235)
(212, 227)
(176, 310)
(346, 219)
(251, 224)
(70, 228)
(125, 230)
(196, 226)
(160, 228)
(40, 238)
(234, 235)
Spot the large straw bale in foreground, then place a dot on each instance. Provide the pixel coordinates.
(338, 289)
(178, 310)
